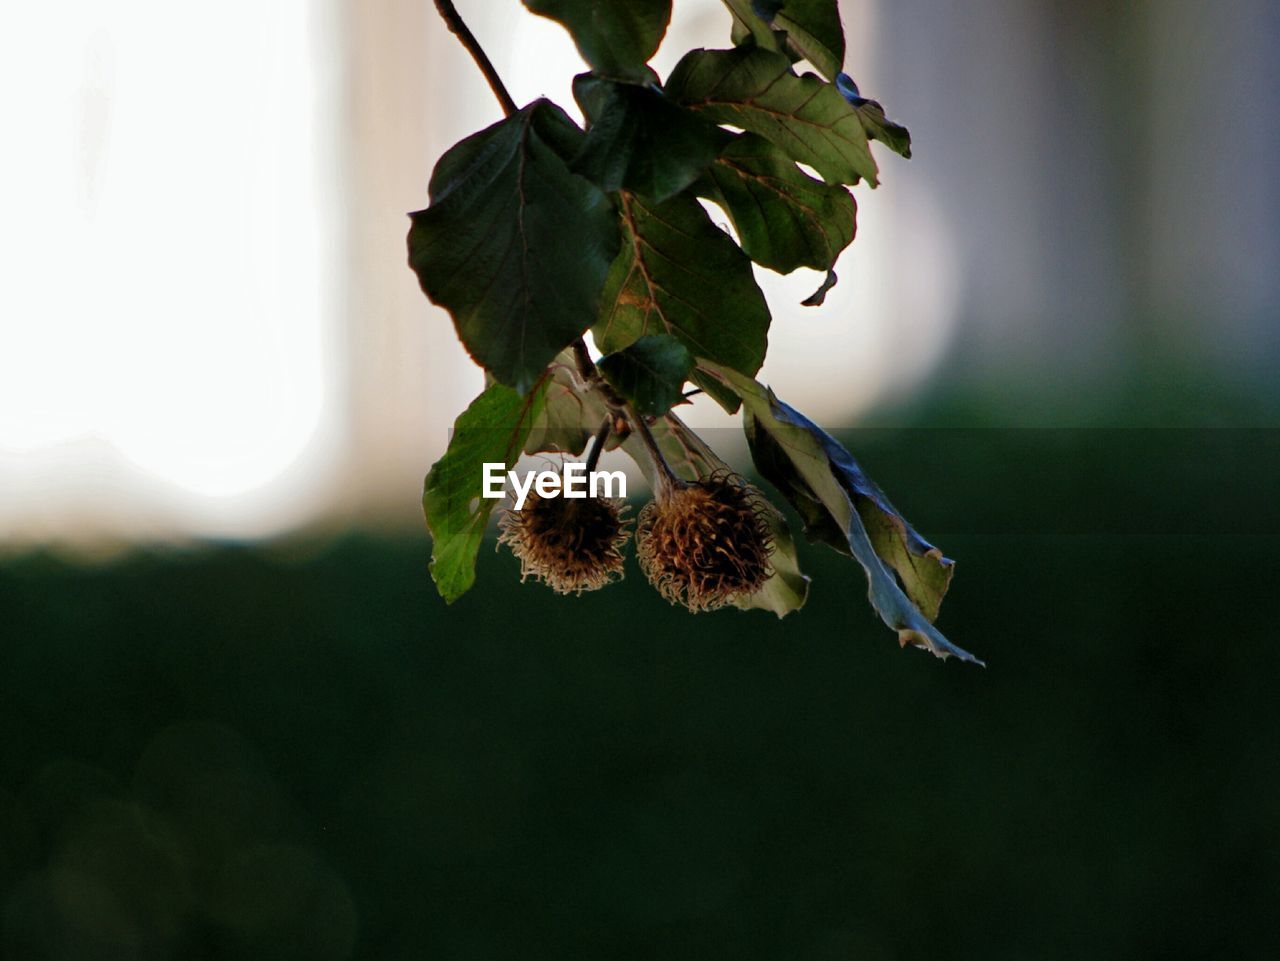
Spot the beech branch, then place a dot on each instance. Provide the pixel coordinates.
(453, 20)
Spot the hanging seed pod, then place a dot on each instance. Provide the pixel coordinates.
(705, 544)
(570, 544)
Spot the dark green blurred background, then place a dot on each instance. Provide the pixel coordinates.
(297, 751)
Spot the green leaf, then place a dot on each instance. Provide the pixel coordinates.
(616, 37)
(892, 135)
(492, 429)
(640, 140)
(514, 245)
(787, 588)
(750, 28)
(814, 32)
(680, 274)
(878, 127)
(755, 89)
(784, 218)
(689, 456)
(812, 28)
(819, 296)
(650, 373)
(568, 417)
(843, 507)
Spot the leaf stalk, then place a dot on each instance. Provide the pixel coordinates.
(665, 478)
(598, 442)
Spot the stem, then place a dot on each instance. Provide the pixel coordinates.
(665, 480)
(586, 366)
(591, 376)
(665, 477)
(597, 445)
(459, 29)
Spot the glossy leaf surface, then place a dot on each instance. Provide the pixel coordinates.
(650, 372)
(810, 29)
(755, 89)
(640, 140)
(514, 245)
(784, 218)
(616, 37)
(680, 274)
(493, 429)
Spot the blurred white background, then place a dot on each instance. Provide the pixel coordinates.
(172, 240)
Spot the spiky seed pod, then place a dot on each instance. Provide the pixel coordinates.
(570, 544)
(706, 544)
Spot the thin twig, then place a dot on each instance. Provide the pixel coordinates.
(590, 376)
(665, 478)
(451, 17)
(598, 442)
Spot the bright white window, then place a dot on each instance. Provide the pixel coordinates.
(165, 310)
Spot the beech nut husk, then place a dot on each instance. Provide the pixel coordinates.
(570, 544)
(706, 544)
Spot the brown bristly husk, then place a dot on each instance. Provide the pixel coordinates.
(570, 544)
(705, 544)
